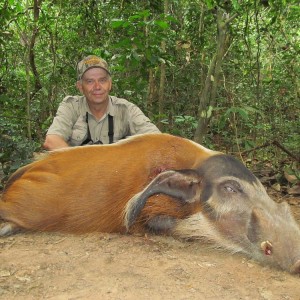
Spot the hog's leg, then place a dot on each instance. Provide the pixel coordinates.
(9, 228)
(161, 224)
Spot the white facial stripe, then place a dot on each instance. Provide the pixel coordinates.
(199, 227)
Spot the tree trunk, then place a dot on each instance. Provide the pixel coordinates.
(35, 30)
(209, 91)
(161, 91)
(151, 79)
(151, 92)
(29, 59)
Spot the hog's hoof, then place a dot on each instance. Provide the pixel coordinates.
(8, 228)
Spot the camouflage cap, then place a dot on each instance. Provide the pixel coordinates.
(89, 62)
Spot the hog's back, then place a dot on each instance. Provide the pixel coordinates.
(85, 189)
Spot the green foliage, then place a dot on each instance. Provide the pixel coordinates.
(136, 50)
(257, 96)
(15, 149)
(181, 125)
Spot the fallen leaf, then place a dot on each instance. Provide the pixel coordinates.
(276, 187)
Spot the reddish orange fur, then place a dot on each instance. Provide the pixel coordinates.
(164, 205)
(85, 189)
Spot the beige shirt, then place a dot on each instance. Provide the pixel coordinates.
(70, 121)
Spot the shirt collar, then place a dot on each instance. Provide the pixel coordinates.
(110, 108)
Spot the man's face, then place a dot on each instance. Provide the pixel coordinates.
(95, 85)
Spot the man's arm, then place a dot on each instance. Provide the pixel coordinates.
(61, 127)
(53, 142)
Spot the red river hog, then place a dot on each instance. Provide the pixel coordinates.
(153, 183)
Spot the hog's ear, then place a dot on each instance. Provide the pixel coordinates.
(183, 185)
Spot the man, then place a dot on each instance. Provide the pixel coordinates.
(96, 117)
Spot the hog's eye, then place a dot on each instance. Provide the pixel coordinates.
(229, 189)
(231, 186)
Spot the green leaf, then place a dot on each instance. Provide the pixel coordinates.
(117, 23)
(162, 24)
(243, 113)
(253, 110)
(209, 111)
(238, 110)
(210, 4)
(235, 4)
(294, 7)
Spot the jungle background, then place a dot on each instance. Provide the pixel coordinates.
(223, 73)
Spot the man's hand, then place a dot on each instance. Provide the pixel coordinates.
(54, 141)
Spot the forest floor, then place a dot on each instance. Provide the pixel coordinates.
(111, 266)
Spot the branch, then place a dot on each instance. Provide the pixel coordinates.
(276, 143)
(286, 150)
(17, 117)
(231, 18)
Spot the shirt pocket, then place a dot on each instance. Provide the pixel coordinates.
(79, 132)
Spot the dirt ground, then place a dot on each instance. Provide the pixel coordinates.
(110, 266)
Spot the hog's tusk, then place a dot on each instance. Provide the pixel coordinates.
(267, 247)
